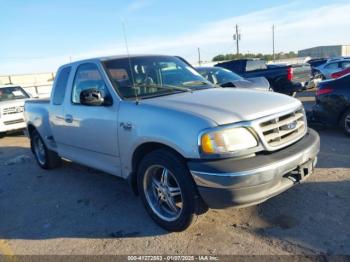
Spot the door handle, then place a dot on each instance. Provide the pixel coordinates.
(68, 119)
(126, 126)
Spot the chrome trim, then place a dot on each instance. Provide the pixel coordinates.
(257, 127)
(254, 127)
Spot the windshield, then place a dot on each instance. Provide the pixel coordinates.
(12, 93)
(218, 75)
(153, 76)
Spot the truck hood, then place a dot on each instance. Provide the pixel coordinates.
(227, 105)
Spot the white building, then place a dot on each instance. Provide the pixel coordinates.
(325, 51)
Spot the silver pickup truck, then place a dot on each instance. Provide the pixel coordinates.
(184, 144)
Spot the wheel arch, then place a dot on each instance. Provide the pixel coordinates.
(31, 128)
(140, 152)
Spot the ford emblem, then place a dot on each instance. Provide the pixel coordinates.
(290, 126)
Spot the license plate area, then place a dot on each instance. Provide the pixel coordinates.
(302, 171)
(306, 169)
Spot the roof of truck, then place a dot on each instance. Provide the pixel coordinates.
(106, 58)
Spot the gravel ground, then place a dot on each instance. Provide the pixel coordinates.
(77, 210)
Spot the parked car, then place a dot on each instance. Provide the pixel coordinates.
(280, 77)
(325, 70)
(341, 73)
(226, 78)
(183, 144)
(333, 103)
(12, 100)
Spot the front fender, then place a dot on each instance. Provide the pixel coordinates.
(141, 123)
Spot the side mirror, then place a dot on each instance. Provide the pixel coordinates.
(94, 97)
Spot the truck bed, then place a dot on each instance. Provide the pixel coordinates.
(36, 111)
(38, 101)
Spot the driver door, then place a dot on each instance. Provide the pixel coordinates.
(91, 131)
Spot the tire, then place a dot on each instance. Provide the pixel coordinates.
(45, 158)
(161, 173)
(2, 134)
(345, 122)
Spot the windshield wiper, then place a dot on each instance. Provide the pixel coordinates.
(196, 82)
(179, 88)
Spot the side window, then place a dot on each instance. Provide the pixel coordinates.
(61, 85)
(345, 64)
(87, 77)
(253, 65)
(332, 66)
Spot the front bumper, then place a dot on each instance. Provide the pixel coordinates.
(12, 126)
(249, 181)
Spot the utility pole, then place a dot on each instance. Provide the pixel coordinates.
(237, 38)
(273, 43)
(199, 57)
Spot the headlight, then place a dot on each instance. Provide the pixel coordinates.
(227, 140)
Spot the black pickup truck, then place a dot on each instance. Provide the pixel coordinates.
(280, 77)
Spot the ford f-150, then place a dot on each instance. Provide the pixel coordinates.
(183, 144)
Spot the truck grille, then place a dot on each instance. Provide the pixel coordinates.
(13, 110)
(284, 129)
(12, 122)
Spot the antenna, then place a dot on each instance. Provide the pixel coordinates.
(129, 58)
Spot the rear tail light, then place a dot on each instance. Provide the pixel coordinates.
(290, 74)
(324, 91)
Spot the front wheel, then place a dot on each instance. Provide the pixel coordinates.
(45, 158)
(345, 122)
(168, 190)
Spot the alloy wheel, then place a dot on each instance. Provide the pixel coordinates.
(39, 150)
(163, 193)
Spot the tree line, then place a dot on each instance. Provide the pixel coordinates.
(266, 57)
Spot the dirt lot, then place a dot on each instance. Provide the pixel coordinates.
(76, 210)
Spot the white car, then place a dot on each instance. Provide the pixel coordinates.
(12, 100)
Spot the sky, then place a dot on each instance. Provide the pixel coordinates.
(40, 35)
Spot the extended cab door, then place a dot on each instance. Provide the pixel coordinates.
(56, 110)
(90, 132)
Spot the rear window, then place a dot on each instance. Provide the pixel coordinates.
(253, 65)
(61, 86)
(332, 66)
